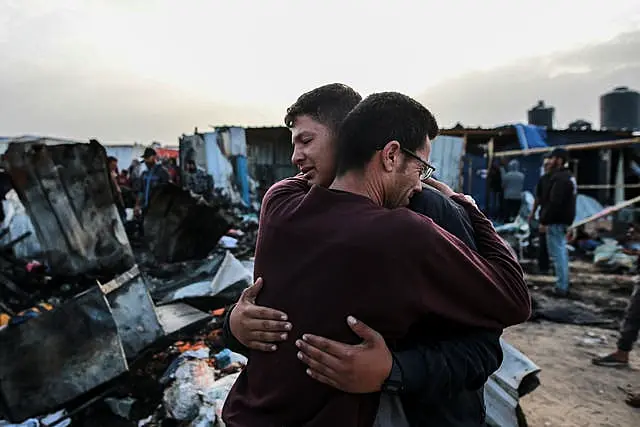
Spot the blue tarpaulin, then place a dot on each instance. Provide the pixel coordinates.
(531, 136)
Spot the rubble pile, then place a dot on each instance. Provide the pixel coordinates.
(184, 384)
(105, 323)
(596, 299)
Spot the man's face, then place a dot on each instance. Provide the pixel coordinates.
(313, 150)
(404, 181)
(191, 167)
(113, 166)
(556, 163)
(150, 160)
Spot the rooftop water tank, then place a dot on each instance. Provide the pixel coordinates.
(620, 110)
(541, 115)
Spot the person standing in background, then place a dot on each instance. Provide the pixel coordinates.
(541, 188)
(172, 167)
(558, 211)
(153, 177)
(512, 184)
(197, 180)
(494, 181)
(123, 179)
(117, 192)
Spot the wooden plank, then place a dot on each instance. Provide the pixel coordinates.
(572, 147)
(607, 211)
(605, 186)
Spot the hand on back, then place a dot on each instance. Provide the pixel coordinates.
(257, 327)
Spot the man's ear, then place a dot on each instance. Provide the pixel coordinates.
(390, 155)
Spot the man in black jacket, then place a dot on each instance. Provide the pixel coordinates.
(438, 371)
(541, 190)
(557, 214)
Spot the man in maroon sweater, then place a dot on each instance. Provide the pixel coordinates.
(322, 249)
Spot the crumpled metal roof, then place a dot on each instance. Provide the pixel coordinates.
(517, 377)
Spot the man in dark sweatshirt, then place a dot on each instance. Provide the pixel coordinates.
(441, 376)
(407, 267)
(558, 210)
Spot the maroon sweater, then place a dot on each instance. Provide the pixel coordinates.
(327, 254)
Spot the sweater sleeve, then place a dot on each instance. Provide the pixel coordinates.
(481, 289)
(227, 336)
(444, 368)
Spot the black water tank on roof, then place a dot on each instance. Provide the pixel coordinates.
(541, 115)
(620, 109)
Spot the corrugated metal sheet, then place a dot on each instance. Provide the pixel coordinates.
(5, 141)
(270, 160)
(269, 152)
(261, 154)
(446, 152)
(517, 377)
(78, 234)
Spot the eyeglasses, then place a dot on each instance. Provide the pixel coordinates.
(427, 169)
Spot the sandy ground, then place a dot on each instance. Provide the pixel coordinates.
(573, 392)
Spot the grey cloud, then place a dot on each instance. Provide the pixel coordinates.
(87, 103)
(87, 99)
(503, 95)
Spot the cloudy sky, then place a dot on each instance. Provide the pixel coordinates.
(142, 70)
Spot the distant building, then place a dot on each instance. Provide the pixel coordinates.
(541, 115)
(580, 125)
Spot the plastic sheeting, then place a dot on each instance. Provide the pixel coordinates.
(217, 164)
(124, 153)
(585, 207)
(610, 255)
(530, 136)
(19, 223)
(238, 138)
(43, 422)
(195, 395)
(230, 273)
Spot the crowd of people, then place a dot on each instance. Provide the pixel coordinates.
(555, 198)
(134, 187)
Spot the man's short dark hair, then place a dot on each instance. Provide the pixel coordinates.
(328, 104)
(377, 120)
(561, 153)
(111, 159)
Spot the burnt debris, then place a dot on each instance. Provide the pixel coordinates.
(94, 313)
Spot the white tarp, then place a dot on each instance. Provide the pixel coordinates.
(230, 272)
(18, 222)
(218, 166)
(585, 207)
(124, 153)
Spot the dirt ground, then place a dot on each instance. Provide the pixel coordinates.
(573, 392)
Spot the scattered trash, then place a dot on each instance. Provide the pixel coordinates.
(121, 407)
(85, 299)
(610, 255)
(228, 242)
(42, 422)
(591, 339)
(184, 397)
